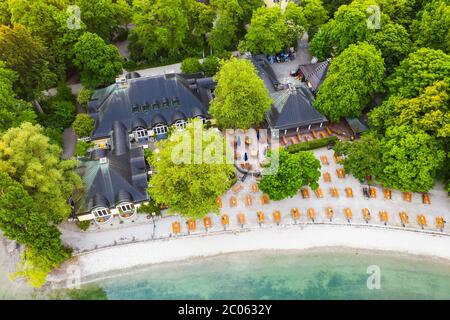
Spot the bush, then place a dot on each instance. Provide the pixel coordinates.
(64, 92)
(149, 208)
(84, 96)
(191, 65)
(211, 65)
(58, 114)
(83, 225)
(313, 144)
(82, 147)
(83, 125)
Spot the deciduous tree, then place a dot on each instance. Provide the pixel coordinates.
(295, 170)
(83, 125)
(241, 98)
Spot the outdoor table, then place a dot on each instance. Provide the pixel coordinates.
(311, 214)
(440, 222)
(225, 219)
(295, 214)
(254, 187)
(340, 173)
(349, 192)
(176, 227)
(426, 198)
(260, 216)
(366, 214)
(348, 214)
(407, 196)
(384, 217)
(305, 193)
(334, 192)
(373, 192)
(248, 200)
(387, 194)
(264, 199)
(326, 177)
(324, 160)
(192, 225)
(277, 216)
(319, 193)
(322, 134)
(421, 220)
(233, 201)
(404, 218)
(219, 202)
(329, 213)
(237, 188)
(207, 222)
(241, 219)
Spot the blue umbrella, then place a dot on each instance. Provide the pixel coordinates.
(239, 141)
(245, 157)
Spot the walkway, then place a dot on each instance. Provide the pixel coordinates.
(70, 143)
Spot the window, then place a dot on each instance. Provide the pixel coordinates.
(102, 212)
(141, 133)
(165, 103)
(126, 207)
(146, 107)
(175, 102)
(136, 108)
(155, 104)
(180, 124)
(160, 129)
(201, 118)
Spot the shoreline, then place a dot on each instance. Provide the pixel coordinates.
(126, 259)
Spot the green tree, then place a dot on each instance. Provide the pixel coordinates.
(105, 17)
(83, 125)
(321, 45)
(266, 32)
(224, 34)
(295, 170)
(296, 23)
(432, 27)
(211, 65)
(239, 85)
(27, 56)
(428, 112)
(13, 111)
(58, 114)
(394, 43)
(84, 96)
(315, 14)
(362, 157)
(410, 159)
(98, 62)
(421, 69)
(191, 65)
(190, 188)
(353, 77)
(35, 185)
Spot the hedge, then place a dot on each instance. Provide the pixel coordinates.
(313, 144)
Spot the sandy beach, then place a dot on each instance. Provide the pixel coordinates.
(123, 258)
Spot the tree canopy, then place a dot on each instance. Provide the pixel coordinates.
(180, 182)
(99, 63)
(28, 57)
(83, 125)
(13, 111)
(238, 84)
(352, 78)
(295, 170)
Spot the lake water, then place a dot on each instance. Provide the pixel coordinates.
(330, 274)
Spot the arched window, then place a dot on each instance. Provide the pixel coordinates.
(101, 212)
(126, 207)
(140, 133)
(160, 129)
(180, 124)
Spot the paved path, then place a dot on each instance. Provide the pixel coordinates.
(143, 229)
(70, 143)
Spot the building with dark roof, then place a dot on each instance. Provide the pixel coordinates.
(115, 179)
(314, 74)
(265, 72)
(147, 106)
(292, 109)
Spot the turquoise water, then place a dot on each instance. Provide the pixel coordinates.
(334, 274)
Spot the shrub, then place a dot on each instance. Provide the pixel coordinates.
(64, 92)
(211, 65)
(83, 125)
(84, 225)
(84, 96)
(82, 147)
(313, 144)
(150, 207)
(191, 65)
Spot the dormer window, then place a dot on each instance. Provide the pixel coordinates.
(126, 207)
(155, 104)
(101, 212)
(176, 102)
(146, 107)
(165, 103)
(136, 108)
